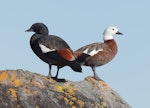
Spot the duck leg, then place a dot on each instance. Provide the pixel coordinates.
(56, 77)
(49, 75)
(95, 75)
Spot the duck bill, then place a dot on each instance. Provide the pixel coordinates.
(119, 33)
(29, 30)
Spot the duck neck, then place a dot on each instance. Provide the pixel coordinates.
(34, 37)
(112, 45)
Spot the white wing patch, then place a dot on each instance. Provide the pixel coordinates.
(93, 52)
(44, 49)
(86, 51)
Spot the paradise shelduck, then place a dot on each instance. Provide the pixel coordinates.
(52, 49)
(98, 54)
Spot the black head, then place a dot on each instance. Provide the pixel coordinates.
(38, 28)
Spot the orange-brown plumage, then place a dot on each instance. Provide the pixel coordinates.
(98, 54)
(66, 54)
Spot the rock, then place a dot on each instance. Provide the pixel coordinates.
(24, 89)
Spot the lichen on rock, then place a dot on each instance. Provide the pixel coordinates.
(24, 89)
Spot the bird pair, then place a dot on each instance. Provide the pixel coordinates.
(55, 51)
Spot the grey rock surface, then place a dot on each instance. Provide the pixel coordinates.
(24, 89)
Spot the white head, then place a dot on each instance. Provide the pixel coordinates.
(110, 32)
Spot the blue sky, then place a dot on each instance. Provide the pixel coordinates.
(80, 23)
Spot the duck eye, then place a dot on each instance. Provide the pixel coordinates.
(113, 29)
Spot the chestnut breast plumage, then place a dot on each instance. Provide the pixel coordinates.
(98, 54)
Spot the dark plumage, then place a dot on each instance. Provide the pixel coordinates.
(52, 49)
(98, 54)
